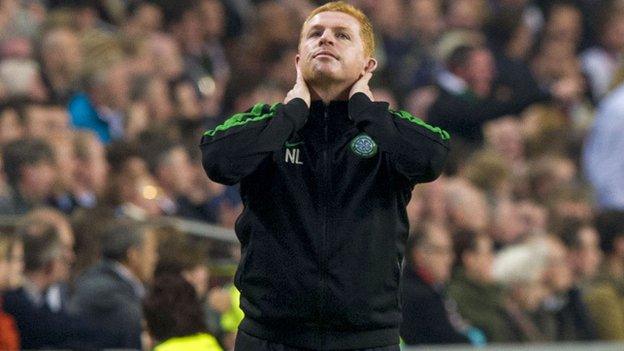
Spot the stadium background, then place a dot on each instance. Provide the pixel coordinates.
(120, 91)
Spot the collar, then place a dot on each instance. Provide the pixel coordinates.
(334, 116)
(452, 82)
(129, 277)
(33, 293)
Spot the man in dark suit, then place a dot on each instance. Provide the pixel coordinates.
(429, 316)
(110, 293)
(38, 325)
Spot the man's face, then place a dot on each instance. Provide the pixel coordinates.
(479, 262)
(331, 49)
(37, 180)
(436, 255)
(588, 254)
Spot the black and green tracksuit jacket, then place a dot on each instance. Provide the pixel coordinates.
(324, 224)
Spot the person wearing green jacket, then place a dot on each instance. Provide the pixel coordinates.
(479, 300)
(605, 297)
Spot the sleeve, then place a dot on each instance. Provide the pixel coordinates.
(456, 113)
(234, 149)
(418, 151)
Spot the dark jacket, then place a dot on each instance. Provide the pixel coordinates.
(429, 316)
(106, 299)
(39, 327)
(566, 318)
(483, 306)
(464, 114)
(324, 225)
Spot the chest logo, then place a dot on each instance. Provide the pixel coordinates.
(363, 146)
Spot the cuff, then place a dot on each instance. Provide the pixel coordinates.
(296, 111)
(360, 105)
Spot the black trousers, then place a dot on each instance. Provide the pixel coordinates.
(246, 342)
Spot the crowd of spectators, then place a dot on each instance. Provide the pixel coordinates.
(103, 104)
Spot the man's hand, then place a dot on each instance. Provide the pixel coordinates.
(300, 90)
(361, 86)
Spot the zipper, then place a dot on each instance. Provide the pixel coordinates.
(326, 183)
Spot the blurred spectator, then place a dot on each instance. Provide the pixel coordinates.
(45, 120)
(583, 244)
(103, 105)
(60, 58)
(174, 317)
(465, 101)
(38, 325)
(520, 269)
(601, 61)
(429, 316)
(30, 169)
(10, 249)
(57, 294)
(466, 206)
(565, 316)
(479, 300)
(91, 172)
(601, 155)
(465, 87)
(132, 191)
(109, 294)
(605, 297)
(169, 162)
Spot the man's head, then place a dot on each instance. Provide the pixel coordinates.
(47, 216)
(431, 250)
(43, 253)
(133, 245)
(30, 168)
(168, 161)
(336, 45)
(474, 253)
(475, 65)
(583, 244)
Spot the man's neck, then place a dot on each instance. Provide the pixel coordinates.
(330, 92)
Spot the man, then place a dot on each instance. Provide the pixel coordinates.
(605, 296)
(91, 170)
(110, 293)
(466, 99)
(478, 298)
(325, 178)
(429, 316)
(39, 326)
(57, 294)
(29, 166)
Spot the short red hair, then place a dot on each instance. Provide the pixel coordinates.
(366, 27)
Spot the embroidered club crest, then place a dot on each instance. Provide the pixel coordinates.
(363, 146)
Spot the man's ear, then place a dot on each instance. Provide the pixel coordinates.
(371, 65)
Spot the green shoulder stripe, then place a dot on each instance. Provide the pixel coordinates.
(257, 113)
(408, 117)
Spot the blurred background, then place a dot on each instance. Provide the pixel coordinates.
(103, 104)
